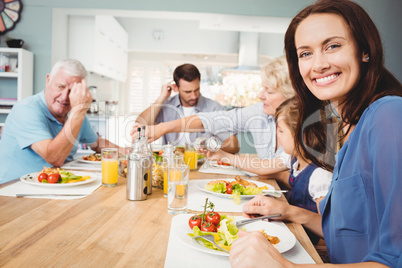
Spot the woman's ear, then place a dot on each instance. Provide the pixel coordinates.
(366, 57)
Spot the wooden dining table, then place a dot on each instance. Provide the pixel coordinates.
(104, 229)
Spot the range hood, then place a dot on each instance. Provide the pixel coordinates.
(248, 52)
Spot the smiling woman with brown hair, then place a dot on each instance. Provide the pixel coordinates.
(336, 63)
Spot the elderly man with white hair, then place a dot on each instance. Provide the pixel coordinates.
(45, 129)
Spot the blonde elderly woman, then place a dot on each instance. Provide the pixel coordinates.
(258, 119)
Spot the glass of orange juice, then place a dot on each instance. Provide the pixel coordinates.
(168, 163)
(178, 189)
(191, 157)
(110, 166)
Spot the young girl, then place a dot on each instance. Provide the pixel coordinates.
(335, 57)
(308, 183)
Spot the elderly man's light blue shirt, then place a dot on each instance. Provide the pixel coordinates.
(362, 212)
(172, 110)
(30, 121)
(249, 119)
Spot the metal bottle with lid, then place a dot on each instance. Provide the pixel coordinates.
(137, 175)
(212, 143)
(148, 152)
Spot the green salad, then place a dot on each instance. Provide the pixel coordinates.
(225, 235)
(235, 190)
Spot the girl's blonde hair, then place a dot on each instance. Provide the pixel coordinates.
(289, 113)
(276, 75)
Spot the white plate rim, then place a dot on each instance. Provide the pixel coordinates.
(214, 164)
(201, 186)
(286, 237)
(34, 180)
(79, 159)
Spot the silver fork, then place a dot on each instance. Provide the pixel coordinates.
(211, 239)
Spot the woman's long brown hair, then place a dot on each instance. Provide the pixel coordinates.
(375, 81)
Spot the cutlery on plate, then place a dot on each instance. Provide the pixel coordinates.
(242, 222)
(275, 193)
(23, 195)
(211, 239)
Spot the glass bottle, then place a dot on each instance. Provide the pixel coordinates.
(212, 143)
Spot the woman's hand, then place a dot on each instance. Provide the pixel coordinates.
(263, 206)
(254, 250)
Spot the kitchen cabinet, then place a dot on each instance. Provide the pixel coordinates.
(101, 44)
(16, 78)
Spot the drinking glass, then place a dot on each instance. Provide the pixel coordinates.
(178, 189)
(191, 157)
(168, 162)
(110, 166)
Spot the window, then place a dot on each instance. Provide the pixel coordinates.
(229, 88)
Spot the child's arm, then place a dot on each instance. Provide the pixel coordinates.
(263, 205)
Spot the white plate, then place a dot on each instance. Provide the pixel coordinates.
(287, 240)
(201, 186)
(214, 164)
(80, 159)
(32, 178)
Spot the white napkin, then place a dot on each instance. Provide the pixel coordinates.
(228, 170)
(180, 255)
(77, 165)
(196, 198)
(20, 187)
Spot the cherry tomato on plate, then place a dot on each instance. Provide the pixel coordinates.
(213, 218)
(42, 176)
(194, 221)
(53, 178)
(229, 189)
(208, 227)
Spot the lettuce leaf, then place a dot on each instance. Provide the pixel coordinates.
(66, 176)
(228, 231)
(197, 231)
(217, 187)
(251, 191)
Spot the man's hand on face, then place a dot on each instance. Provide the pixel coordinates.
(167, 90)
(80, 97)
